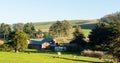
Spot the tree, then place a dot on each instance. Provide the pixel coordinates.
(99, 34)
(56, 29)
(5, 29)
(114, 48)
(78, 38)
(107, 35)
(20, 41)
(29, 28)
(114, 45)
(39, 34)
(67, 27)
(78, 32)
(115, 17)
(18, 26)
(60, 29)
(102, 35)
(46, 35)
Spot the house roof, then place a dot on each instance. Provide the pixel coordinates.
(41, 42)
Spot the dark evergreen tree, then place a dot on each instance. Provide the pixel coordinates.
(107, 35)
(102, 35)
(79, 38)
(114, 45)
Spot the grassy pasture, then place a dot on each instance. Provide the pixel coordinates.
(44, 57)
(86, 32)
(86, 24)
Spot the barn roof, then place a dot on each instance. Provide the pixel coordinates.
(41, 42)
(47, 40)
(36, 42)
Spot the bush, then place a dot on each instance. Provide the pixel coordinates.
(92, 53)
(62, 40)
(109, 59)
(6, 47)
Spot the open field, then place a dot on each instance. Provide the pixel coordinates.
(44, 57)
(86, 32)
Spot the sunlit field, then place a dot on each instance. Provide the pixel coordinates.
(44, 57)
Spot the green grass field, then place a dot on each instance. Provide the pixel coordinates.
(86, 32)
(43, 57)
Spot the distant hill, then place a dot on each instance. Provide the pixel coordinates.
(85, 24)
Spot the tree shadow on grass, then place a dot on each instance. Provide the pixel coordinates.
(38, 51)
(80, 60)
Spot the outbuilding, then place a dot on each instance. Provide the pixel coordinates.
(45, 44)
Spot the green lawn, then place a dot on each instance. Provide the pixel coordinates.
(86, 32)
(11, 57)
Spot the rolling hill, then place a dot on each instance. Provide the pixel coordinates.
(85, 24)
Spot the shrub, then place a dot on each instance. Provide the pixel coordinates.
(92, 53)
(109, 59)
(6, 47)
(62, 40)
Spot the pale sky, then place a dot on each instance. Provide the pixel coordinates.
(14, 11)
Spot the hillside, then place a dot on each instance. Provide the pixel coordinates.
(85, 24)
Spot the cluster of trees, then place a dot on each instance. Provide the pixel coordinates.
(60, 28)
(111, 18)
(105, 36)
(16, 37)
(17, 41)
(18, 26)
(28, 28)
(5, 30)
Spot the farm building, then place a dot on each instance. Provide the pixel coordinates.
(45, 44)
